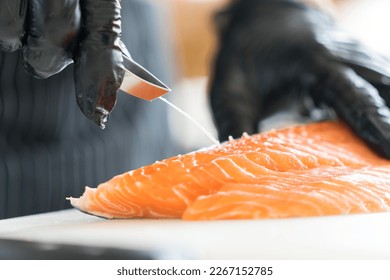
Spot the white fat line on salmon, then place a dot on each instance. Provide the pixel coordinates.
(207, 133)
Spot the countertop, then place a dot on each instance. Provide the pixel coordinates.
(360, 236)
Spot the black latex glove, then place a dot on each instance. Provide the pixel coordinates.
(54, 33)
(275, 51)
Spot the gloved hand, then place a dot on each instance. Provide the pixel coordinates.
(275, 51)
(53, 34)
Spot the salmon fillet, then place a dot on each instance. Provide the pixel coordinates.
(307, 170)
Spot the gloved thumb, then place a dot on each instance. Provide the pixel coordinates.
(98, 62)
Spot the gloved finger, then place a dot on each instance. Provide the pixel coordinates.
(360, 105)
(12, 17)
(366, 62)
(235, 106)
(370, 65)
(52, 31)
(98, 63)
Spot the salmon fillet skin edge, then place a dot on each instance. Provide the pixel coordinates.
(307, 170)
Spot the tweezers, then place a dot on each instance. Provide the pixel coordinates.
(140, 83)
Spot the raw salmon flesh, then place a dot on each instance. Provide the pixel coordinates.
(307, 170)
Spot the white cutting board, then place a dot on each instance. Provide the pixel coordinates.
(338, 237)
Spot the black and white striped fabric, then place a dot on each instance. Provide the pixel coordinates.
(49, 150)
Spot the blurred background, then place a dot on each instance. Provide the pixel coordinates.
(189, 42)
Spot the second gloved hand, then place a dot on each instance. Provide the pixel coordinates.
(275, 51)
(53, 34)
